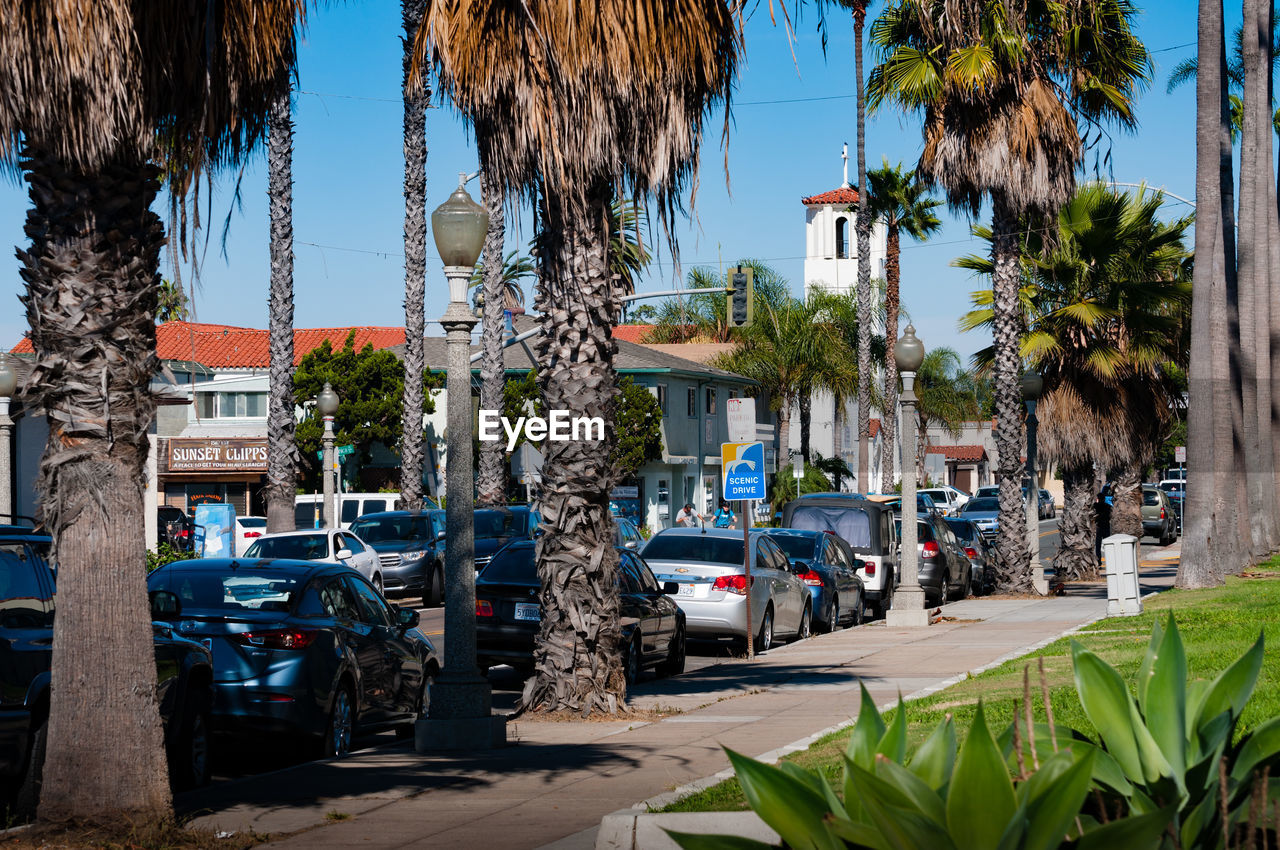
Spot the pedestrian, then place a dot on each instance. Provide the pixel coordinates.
(724, 516)
(1102, 511)
(688, 517)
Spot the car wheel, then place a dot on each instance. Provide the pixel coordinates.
(833, 616)
(377, 583)
(337, 734)
(189, 764)
(942, 591)
(674, 665)
(859, 611)
(632, 662)
(764, 641)
(433, 586)
(805, 628)
(28, 797)
(423, 708)
(882, 607)
(967, 587)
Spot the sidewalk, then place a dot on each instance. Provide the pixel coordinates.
(559, 779)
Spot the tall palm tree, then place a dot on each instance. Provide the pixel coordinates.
(282, 452)
(1208, 518)
(415, 98)
(901, 202)
(90, 87)
(627, 252)
(515, 268)
(1105, 303)
(172, 303)
(567, 103)
(703, 316)
(1005, 91)
(945, 399)
(491, 480)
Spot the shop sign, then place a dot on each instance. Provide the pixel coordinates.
(217, 455)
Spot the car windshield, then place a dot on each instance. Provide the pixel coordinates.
(963, 529)
(513, 565)
(936, 495)
(252, 522)
(795, 545)
(988, 491)
(924, 532)
(974, 506)
(392, 528)
(694, 547)
(238, 590)
(852, 524)
(1150, 497)
(1171, 486)
(490, 524)
(303, 547)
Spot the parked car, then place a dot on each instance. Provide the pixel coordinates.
(410, 550)
(326, 545)
(984, 512)
(828, 567)
(1159, 519)
(626, 535)
(867, 526)
(707, 564)
(1176, 490)
(508, 613)
(300, 647)
(496, 527)
(248, 529)
(944, 570)
(978, 551)
(1048, 510)
(947, 498)
(990, 491)
(308, 508)
(174, 528)
(27, 604)
(924, 502)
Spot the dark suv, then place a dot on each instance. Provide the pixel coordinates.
(27, 603)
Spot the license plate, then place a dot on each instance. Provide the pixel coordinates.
(685, 590)
(528, 611)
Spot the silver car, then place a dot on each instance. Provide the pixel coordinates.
(707, 565)
(325, 545)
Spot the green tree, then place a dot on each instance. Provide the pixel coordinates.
(101, 99)
(638, 424)
(1006, 92)
(370, 386)
(945, 399)
(515, 268)
(703, 315)
(171, 303)
(628, 255)
(900, 201)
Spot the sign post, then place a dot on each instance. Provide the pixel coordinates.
(742, 469)
(1180, 455)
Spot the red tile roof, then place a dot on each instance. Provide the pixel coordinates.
(631, 333)
(961, 453)
(843, 195)
(873, 428)
(230, 347)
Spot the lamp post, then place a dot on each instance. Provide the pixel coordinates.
(908, 602)
(1032, 387)
(327, 405)
(8, 385)
(460, 715)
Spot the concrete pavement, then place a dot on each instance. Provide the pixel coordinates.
(558, 780)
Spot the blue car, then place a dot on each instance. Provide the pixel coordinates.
(299, 647)
(828, 568)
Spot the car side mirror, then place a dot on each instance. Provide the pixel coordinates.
(630, 544)
(670, 588)
(407, 618)
(440, 535)
(343, 554)
(165, 605)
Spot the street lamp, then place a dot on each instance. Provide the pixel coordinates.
(1032, 387)
(327, 405)
(908, 602)
(461, 708)
(8, 386)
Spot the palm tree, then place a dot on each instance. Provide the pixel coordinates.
(1105, 303)
(1005, 92)
(900, 201)
(172, 303)
(945, 399)
(567, 103)
(91, 87)
(415, 98)
(515, 268)
(627, 253)
(703, 316)
(491, 480)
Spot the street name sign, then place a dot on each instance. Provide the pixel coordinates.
(742, 468)
(742, 419)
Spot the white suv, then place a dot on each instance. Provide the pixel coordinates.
(947, 498)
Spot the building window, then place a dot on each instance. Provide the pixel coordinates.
(693, 402)
(733, 393)
(662, 398)
(711, 400)
(842, 237)
(231, 405)
(205, 406)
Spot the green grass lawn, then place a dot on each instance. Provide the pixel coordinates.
(1217, 625)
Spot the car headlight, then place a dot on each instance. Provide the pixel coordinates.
(412, 556)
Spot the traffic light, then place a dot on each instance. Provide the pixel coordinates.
(741, 280)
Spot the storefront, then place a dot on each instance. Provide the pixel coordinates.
(209, 470)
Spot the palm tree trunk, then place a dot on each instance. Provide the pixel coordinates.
(92, 277)
(1265, 520)
(1011, 544)
(1075, 559)
(412, 450)
(282, 450)
(806, 424)
(1208, 535)
(1126, 502)
(492, 479)
(892, 296)
(862, 230)
(576, 656)
(837, 442)
(784, 432)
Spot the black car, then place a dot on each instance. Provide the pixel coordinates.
(410, 546)
(496, 527)
(508, 612)
(174, 528)
(301, 647)
(27, 604)
(980, 553)
(829, 569)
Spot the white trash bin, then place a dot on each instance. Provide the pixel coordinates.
(1120, 551)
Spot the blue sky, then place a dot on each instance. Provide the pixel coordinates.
(790, 119)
